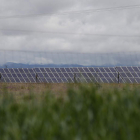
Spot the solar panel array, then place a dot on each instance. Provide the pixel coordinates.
(58, 75)
(18, 75)
(129, 74)
(71, 75)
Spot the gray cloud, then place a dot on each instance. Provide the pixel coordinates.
(124, 22)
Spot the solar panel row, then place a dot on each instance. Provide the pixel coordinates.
(77, 74)
(64, 75)
(129, 74)
(18, 75)
(59, 75)
(128, 69)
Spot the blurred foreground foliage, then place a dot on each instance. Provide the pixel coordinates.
(84, 113)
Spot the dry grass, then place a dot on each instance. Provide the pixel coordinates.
(21, 89)
(26, 88)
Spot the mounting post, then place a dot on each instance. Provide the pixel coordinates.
(118, 78)
(36, 77)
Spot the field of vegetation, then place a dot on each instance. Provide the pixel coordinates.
(69, 112)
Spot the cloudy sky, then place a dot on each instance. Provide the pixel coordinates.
(57, 18)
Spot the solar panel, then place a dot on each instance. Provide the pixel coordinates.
(89, 74)
(2, 71)
(71, 69)
(91, 70)
(47, 70)
(134, 74)
(32, 80)
(60, 74)
(100, 74)
(22, 80)
(119, 69)
(87, 80)
(44, 80)
(67, 70)
(121, 80)
(76, 70)
(116, 80)
(52, 70)
(59, 80)
(6, 71)
(7, 80)
(26, 70)
(39, 80)
(110, 80)
(94, 74)
(139, 69)
(125, 69)
(4, 75)
(136, 69)
(133, 80)
(138, 80)
(28, 75)
(112, 69)
(24, 75)
(51, 75)
(27, 80)
(138, 74)
(66, 75)
(49, 80)
(127, 80)
(37, 70)
(104, 80)
(2, 80)
(65, 80)
(123, 74)
(33, 74)
(86, 70)
(70, 74)
(40, 74)
(62, 69)
(14, 75)
(130, 69)
(96, 70)
(45, 74)
(82, 74)
(42, 70)
(102, 69)
(107, 70)
(54, 80)
(16, 71)
(106, 75)
(129, 74)
(56, 75)
(81, 69)
(19, 75)
(57, 69)
(21, 70)
(31, 71)
(12, 80)
(11, 70)
(9, 75)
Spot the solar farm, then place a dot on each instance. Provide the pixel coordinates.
(71, 75)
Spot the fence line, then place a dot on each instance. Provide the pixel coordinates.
(22, 59)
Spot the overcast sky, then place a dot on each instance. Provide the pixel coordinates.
(114, 22)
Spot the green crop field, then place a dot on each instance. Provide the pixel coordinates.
(69, 112)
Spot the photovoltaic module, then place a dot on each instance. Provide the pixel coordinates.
(71, 75)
